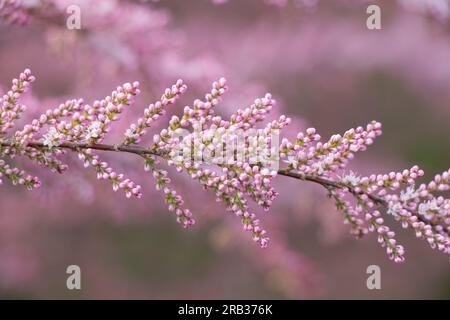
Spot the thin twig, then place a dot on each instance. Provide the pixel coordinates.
(141, 151)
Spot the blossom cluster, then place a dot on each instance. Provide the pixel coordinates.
(239, 178)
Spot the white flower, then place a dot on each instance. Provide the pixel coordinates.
(94, 130)
(329, 159)
(292, 162)
(52, 138)
(129, 133)
(319, 168)
(394, 209)
(408, 195)
(426, 207)
(354, 148)
(351, 178)
(321, 165)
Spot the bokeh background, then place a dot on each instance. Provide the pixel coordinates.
(325, 68)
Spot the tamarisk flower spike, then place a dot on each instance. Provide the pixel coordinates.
(153, 112)
(10, 109)
(363, 200)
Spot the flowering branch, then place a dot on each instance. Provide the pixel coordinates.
(326, 183)
(248, 162)
(144, 152)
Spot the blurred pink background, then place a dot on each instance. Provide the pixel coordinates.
(325, 68)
